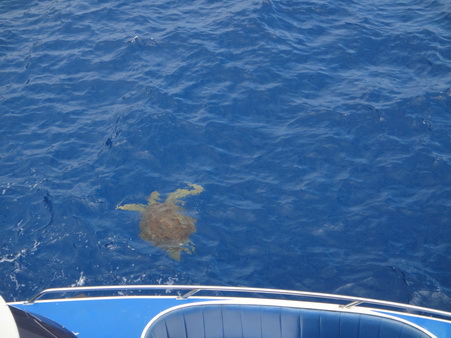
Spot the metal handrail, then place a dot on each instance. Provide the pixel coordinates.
(354, 301)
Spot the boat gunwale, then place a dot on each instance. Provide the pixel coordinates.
(193, 289)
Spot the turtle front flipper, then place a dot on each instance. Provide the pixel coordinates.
(133, 207)
(180, 193)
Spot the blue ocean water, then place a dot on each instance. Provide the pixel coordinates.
(320, 131)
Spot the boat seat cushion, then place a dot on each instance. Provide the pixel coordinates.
(267, 321)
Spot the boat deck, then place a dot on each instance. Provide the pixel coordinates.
(123, 315)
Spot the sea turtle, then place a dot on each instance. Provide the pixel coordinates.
(163, 223)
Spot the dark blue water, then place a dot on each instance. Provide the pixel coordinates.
(320, 131)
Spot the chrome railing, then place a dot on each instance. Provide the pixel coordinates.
(194, 289)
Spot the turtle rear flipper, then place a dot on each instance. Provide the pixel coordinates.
(174, 253)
